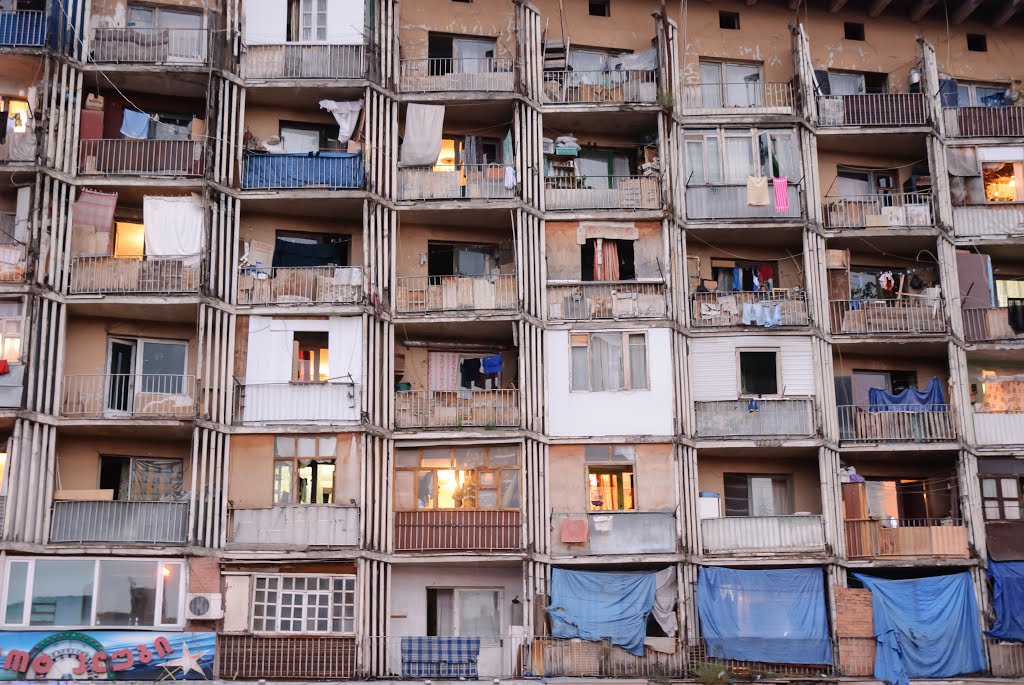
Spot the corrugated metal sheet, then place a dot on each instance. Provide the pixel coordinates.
(713, 362)
(300, 525)
(999, 429)
(763, 533)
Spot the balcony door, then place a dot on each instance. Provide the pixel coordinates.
(121, 381)
(139, 367)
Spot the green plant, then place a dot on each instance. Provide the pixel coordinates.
(710, 673)
(666, 99)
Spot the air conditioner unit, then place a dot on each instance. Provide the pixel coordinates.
(204, 606)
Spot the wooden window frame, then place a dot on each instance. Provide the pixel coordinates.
(476, 471)
(626, 375)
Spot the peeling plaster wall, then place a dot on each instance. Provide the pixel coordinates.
(563, 252)
(806, 492)
(481, 18)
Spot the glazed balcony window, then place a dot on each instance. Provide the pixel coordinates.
(457, 478)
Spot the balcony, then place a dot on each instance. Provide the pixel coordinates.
(480, 408)
(747, 98)
(729, 201)
(638, 86)
(119, 522)
(903, 538)
(990, 324)
(12, 253)
(251, 657)
(19, 147)
(869, 317)
(150, 396)
(1005, 659)
(878, 211)
(718, 310)
(896, 423)
(457, 74)
(296, 62)
(296, 526)
(983, 221)
(567, 193)
(618, 532)
(22, 28)
(445, 294)
(467, 181)
(611, 300)
(873, 109)
(301, 285)
(984, 122)
(149, 46)
(994, 429)
(452, 530)
(126, 157)
(124, 275)
(265, 403)
(755, 418)
(762, 534)
(327, 169)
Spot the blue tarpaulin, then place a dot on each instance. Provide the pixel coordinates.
(316, 170)
(911, 399)
(775, 616)
(602, 606)
(1007, 599)
(925, 627)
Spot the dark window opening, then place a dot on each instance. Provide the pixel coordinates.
(440, 607)
(460, 259)
(876, 83)
(901, 380)
(977, 42)
(311, 249)
(729, 20)
(759, 373)
(853, 30)
(600, 8)
(111, 469)
(465, 1)
(625, 263)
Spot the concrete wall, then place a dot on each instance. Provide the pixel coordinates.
(88, 352)
(264, 227)
(563, 252)
(654, 480)
(804, 473)
(410, 260)
(78, 457)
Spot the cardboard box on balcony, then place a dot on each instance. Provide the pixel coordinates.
(293, 285)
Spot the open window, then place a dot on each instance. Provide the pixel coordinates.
(310, 357)
(728, 84)
(607, 259)
(759, 372)
(610, 477)
(138, 366)
(293, 249)
(607, 362)
(466, 612)
(461, 259)
(449, 54)
(307, 21)
(141, 479)
(477, 477)
(757, 495)
(304, 469)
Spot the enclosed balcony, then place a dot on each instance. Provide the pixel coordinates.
(997, 398)
(987, 189)
(22, 28)
(990, 282)
(988, 220)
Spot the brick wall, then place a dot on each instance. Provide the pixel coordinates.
(855, 630)
(203, 574)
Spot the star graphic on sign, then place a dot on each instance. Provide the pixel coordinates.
(187, 662)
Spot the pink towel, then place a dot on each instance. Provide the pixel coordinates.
(781, 186)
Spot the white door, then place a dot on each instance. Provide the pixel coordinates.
(478, 614)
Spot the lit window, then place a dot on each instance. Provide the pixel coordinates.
(304, 604)
(1004, 181)
(304, 469)
(610, 477)
(11, 324)
(482, 477)
(604, 362)
(310, 357)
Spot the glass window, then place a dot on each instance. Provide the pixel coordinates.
(757, 495)
(304, 469)
(846, 84)
(599, 361)
(611, 488)
(310, 353)
(62, 591)
(170, 609)
(127, 593)
(479, 613)
(163, 367)
(304, 604)
(457, 478)
(17, 579)
(313, 20)
(1001, 498)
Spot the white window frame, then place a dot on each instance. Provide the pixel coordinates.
(626, 379)
(158, 599)
(972, 91)
(779, 386)
(315, 14)
(345, 578)
(485, 640)
(137, 373)
(719, 136)
(757, 97)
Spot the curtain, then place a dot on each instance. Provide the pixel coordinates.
(422, 141)
(154, 480)
(442, 371)
(346, 114)
(606, 260)
(174, 227)
(605, 362)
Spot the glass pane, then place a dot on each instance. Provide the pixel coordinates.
(328, 446)
(992, 510)
(283, 478)
(284, 446)
(1010, 488)
(743, 87)
(510, 489)
(623, 452)
(437, 456)
(127, 593)
(479, 613)
(163, 365)
(739, 163)
(695, 162)
(62, 592)
(711, 84)
(171, 578)
(306, 447)
(17, 575)
(714, 154)
(762, 502)
(456, 489)
(407, 458)
(594, 453)
(405, 493)
(1011, 511)
(637, 362)
(504, 455)
(606, 370)
(488, 499)
(580, 377)
(988, 487)
(470, 457)
(425, 490)
(846, 84)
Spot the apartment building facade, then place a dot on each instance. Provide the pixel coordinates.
(433, 340)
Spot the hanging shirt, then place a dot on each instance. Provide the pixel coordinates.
(469, 369)
(492, 364)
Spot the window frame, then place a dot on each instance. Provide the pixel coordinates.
(723, 84)
(297, 363)
(974, 100)
(779, 385)
(485, 640)
(1018, 171)
(139, 344)
(787, 478)
(1000, 500)
(7, 324)
(295, 466)
(626, 350)
(344, 578)
(625, 462)
(720, 135)
(498, 470)
(130, 458)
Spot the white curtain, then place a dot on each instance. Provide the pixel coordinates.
(173, 226)
(605, 362)
(346, 114)
(422, 141)
(665, 596)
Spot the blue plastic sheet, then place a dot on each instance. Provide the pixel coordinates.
(911, 399)
(1007, 599)
(602, 606)
(319, 170)
(925, 627)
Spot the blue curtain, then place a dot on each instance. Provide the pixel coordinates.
(602, 606)
(1007, 599)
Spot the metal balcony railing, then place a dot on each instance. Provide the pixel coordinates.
(989, 324)
(456, 409)
(989, 220)
(602, 192)
(423, 294)
(739, 97)
(134, 275)
(297, 61)
(120, 522)
(868, 317)
(873, 109)
(466, 181)
(875, 539)
(301, 285)
(22, 28)
(984, 122)
(587, 300)
(457, 74)
(152, 395)
(306, 657)
(875, 211)
(729, 201)
(457, 530)
(753, 418)
(766, 534)
(896, 423)
(297, 403)
(149, 46)
(998, 428)
(128, 157)
(714, 310)
(601, 87)
(327, 169)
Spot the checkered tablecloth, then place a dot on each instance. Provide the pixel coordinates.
(440, 656)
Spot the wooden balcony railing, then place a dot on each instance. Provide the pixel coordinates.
(458, 530)
(895, 538)
(896, 423)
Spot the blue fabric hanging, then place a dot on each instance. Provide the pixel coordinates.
(135, 124)
(911, 399)
(925, 627)
(1007, 599)
(492, 364)
(737, 278)
(775, 616)
(602, 606)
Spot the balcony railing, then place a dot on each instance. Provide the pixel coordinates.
(297, 526)
(873, 109)
(988, 220)
(12, 253)
(601, 87)
(301, 285)
(127, 157)
(876, 211)
(880, 539)
(729, 201)
(121, 522)
(22, 28)
(19, 147)
(892, 423)
(452, 530)
(867, 317)
(327, 169)
(315, 61)
(150, 395)
(455, 74)
(1005, 659)
(456, 409)
(320, 657)
(767, 534)
(330, 402)
(714, 310)
(149, 46)
(587, 300)
(618, 532)
(984, 122)
(993, 429)
(602, 192)
(425, 294)
(468, 181)
(739, 98)
(134, 275)
(989, 324)
(753, 418)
